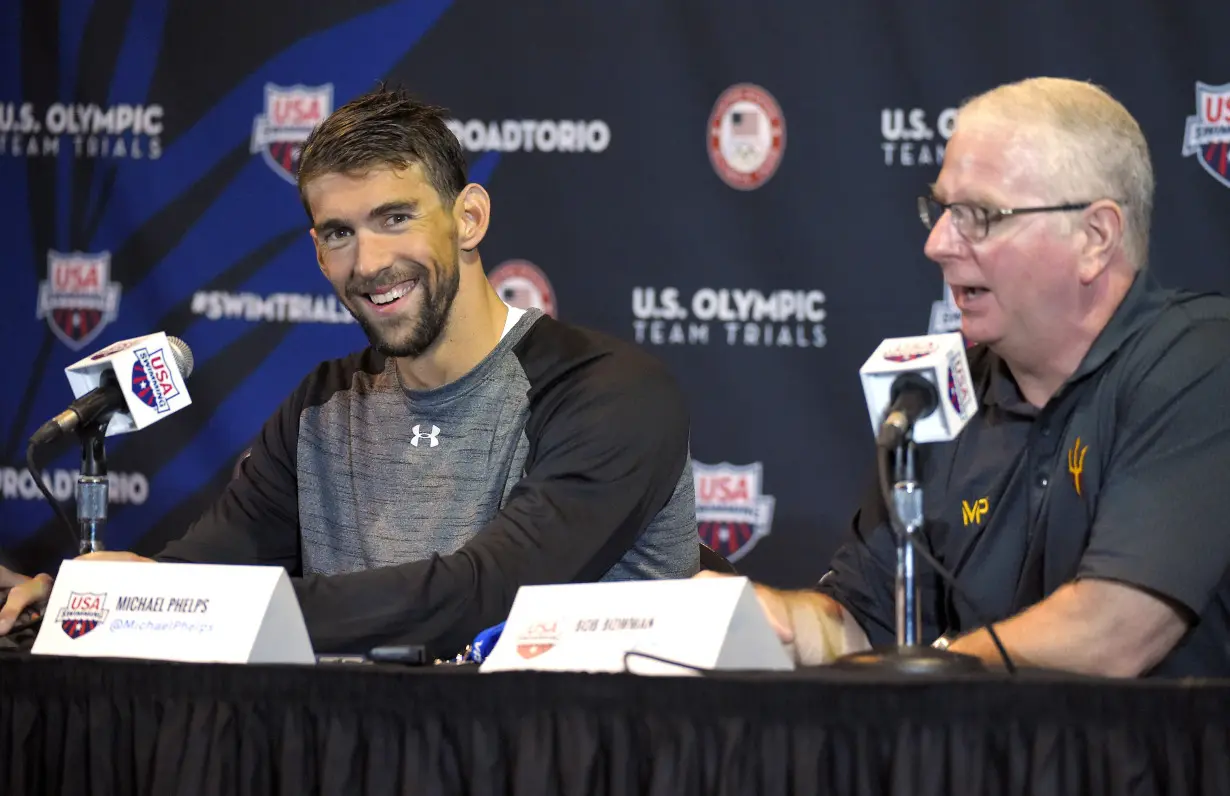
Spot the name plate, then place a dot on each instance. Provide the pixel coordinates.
(174, 612)
(709, 623)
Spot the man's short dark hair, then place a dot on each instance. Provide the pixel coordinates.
(385, 127)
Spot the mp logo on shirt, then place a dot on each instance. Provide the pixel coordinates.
(731, 513)
(433, 438)
(1208, 132)
(291, 112)
(974, 512)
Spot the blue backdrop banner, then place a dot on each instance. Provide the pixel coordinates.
(730, 186)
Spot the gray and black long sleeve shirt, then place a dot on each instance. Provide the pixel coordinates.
(408, 516)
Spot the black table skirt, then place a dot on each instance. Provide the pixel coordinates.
(125, 727)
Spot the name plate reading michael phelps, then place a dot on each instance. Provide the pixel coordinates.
(709, 623)
(174, 612)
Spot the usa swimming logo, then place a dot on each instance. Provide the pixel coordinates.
(960, 392)
(732, 514)
(82, 614)
(153, 380)
(1208, 132)
(291, 112)
(78, 298)
(540, 638)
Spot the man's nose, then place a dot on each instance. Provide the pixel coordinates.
(943, 240)
(372, 254)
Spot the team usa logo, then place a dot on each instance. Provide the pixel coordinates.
(731, 513)
(523, 285)
(290, 114)
(153, 379)
(83, 613)
(78, 298)
(747, 136)
(1208, 132)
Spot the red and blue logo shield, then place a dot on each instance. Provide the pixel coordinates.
(78, 298)
(732, 514)
(291, 112)
(82, 613)
(1208, 132)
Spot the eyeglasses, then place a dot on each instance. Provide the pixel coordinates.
(974, 222)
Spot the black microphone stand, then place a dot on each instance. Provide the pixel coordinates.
(905, 510)
(93, 490)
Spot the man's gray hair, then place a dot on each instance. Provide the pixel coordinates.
(1096, 151)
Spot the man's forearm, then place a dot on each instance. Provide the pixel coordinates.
(980, 645)
(1092, 627)
(1028, 643)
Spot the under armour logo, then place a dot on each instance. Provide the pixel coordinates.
(433, 436)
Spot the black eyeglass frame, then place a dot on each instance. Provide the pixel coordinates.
(985, 216)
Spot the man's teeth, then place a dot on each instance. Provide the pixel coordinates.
(392, 295)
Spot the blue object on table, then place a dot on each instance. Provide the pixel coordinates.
(484, 642)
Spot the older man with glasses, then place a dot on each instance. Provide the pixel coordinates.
(1097, 460)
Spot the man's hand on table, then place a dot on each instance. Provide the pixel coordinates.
(26, 592)
(813, 628)
(23, 592)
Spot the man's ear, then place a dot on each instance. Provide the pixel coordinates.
(1102, 223)
(472, 213)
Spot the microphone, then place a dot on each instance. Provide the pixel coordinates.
(914, 397)
(919, 385)
(903, 380)
(126, 386)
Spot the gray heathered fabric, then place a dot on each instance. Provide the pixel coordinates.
(370, 497)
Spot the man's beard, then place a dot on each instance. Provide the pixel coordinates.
(430, 322)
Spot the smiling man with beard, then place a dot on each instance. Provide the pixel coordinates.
(473, 448)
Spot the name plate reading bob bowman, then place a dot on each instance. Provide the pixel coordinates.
(174, 612)
(708, 623)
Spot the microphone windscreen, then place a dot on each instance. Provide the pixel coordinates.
(182, 354)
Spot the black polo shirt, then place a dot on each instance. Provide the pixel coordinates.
(1123, 475)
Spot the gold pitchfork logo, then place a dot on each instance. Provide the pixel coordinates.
(1076, 463)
